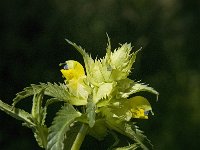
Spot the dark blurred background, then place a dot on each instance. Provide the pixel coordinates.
(32, 45)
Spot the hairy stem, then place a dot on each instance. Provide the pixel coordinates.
(80, 137)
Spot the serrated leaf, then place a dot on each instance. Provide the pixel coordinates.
(54, 90)
(128, 87)
(87, 59)
(39, 131)
(62, 93)
(58, 91)
(37, 109)
(43, 115)
(129, 147)
(97, 70)
(130, 130)
(108, 50)
(28, 91)
(51, 101)
(17, 113)
(103, 91)
(61, 124)
(39, 115)
(137, 87)
(40, 134)
(121, 61)
(134, 133)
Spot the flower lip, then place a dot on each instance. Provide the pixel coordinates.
(146, 112)
(66, 67)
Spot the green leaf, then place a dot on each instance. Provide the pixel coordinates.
(129, 147)
(121, 61)
(108, 50)
(39, 115)
(87, 59)
(40, 134)
(134, 133)
(28, 91)
(97, 70)
(126, 87)
(103, 91)
(57, 91)
(17, 113)
(61, 92)
(51, 101)
(61, 124)
(54, 90)
(37, 109)
(128, 129)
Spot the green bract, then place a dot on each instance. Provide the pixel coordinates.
(97, 103)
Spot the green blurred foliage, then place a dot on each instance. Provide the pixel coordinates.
(32, 45)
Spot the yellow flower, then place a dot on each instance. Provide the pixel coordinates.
(74, 73)
(135, 107)
(73, 70)
(140, 113)
(139, 107)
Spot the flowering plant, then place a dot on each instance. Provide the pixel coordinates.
(97, 101)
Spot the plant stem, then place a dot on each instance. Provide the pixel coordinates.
(80, 137)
